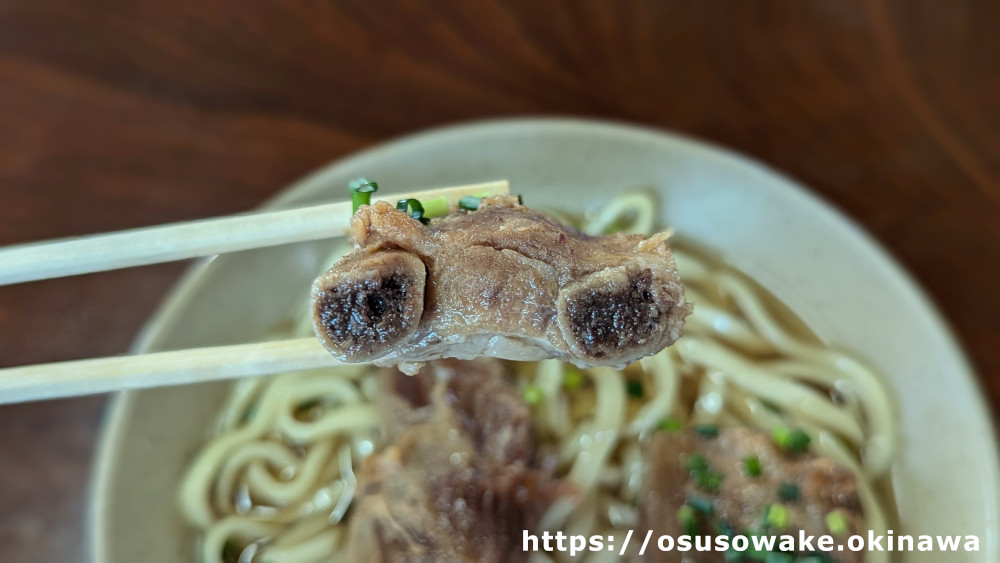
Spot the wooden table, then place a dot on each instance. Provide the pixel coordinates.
(117, 114)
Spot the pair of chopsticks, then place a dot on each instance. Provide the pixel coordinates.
(151, 245)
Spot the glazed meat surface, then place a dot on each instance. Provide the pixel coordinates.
(457, 477)
(808, 487)
(502, 281)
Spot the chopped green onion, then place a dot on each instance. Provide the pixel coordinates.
(752, 552)
(702, 505)
(706, 430)
(708, 480)
(799, 441)
(670, 424)
(533, 395)
(572, 378)
(413, 208)
(634, 388)
(788, 492)
(688, 520)
(776, 516)
(437, 207)
(836, 523)
(751, 466)
(792, 440)
(361, 192)
(410, 205)
(696, 462)
(469, 203)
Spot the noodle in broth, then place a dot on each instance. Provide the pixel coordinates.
(276, 480)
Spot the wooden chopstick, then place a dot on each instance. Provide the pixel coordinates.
(166, 243)
(101, 375)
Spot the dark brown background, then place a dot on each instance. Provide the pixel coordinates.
(124, 113)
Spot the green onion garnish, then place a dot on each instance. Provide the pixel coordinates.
(670, 424)
(788, 492)
(702, 505)
(572, 378)
(519, 200)
(704, 477)
(776, 516)
(413, 208)
(361, 192)
(469, 203)
(634, 388)
(706, 430)
(688, 520)
(437, 207)
(708, 480)
(792, 440)
(752, 552)
(533, 395)
(836, 523)
(751, 466)
(696, 462)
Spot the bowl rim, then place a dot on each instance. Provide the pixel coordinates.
(120, 407)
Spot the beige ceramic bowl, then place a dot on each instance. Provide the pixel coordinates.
(820, 264)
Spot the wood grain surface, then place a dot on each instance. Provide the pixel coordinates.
(117, 114)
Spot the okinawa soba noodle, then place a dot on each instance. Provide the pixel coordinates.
(276, 480)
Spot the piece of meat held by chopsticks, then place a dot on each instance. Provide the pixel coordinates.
(501, 281)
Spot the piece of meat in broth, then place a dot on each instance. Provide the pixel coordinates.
(456, 477)
(502, 281)
(740, 482)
